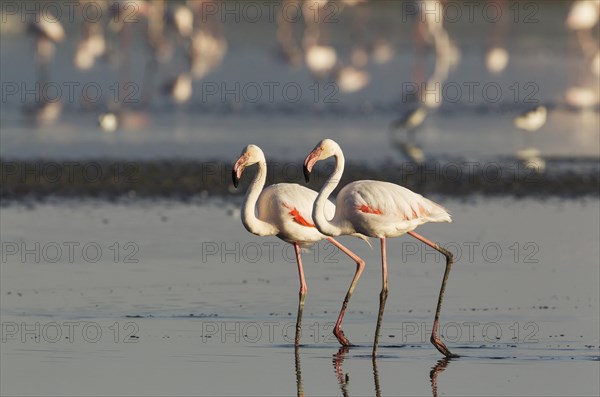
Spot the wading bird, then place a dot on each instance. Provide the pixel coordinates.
(283, 210)
(532, 120)
(47, 31)
(376, 209)
(529, 122)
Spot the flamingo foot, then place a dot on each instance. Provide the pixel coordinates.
(442, 347)
(339, 334)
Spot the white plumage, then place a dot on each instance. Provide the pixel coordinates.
(284, 210)
(280, 205)
(376, 209)
(532, 120)
(363, 203)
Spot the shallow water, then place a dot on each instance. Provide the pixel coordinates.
(471, 122)
(364, 138)
(189, 303)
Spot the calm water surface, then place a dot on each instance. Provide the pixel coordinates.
(194, 305)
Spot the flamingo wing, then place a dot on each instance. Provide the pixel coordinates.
(385, 209)
(289, 207)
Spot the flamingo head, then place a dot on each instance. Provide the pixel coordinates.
(324, 149)
(251, 154)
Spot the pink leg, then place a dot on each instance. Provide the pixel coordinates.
(360, 266)
(449, 257)
(303, 290)
(382, 296)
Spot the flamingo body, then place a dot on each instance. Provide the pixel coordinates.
(285, 210)
(377, 209)
(532, 120)
(383, 209)
(288, 207)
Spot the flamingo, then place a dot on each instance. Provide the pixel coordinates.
(284, 211)
(376, 209)
(532, 120)
(48, 31)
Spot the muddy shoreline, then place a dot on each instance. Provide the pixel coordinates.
(183, 179)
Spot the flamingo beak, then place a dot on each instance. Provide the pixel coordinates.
(310, 161)
(235, 178)
(236, 172)
(306, 174)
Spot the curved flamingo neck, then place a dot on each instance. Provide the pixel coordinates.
(331, 227)
(249, 219)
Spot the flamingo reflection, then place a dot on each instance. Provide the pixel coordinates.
(47, 31)
(436, 370)
(344, 378)
(403, 134)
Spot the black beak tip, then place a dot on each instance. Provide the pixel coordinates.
(306, 174)
(235, 179)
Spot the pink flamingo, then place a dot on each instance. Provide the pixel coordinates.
(284, 211)
(376, 209)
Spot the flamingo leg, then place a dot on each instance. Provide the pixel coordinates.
(303, 290)
(376, 378)
(360, 266)
(382, 296)
(299, 389)
(435, 340)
